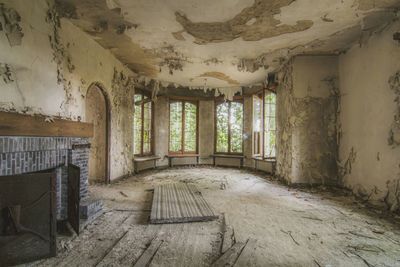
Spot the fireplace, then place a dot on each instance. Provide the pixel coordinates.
(19, 155)
(27, 217)
(24, 163)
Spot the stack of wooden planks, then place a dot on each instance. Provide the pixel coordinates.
(179, 203)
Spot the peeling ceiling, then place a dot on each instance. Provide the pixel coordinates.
(225, 43)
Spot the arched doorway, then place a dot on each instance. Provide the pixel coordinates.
(97, 112)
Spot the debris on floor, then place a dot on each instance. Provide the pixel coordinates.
(260, 224)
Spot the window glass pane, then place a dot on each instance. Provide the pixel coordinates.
(270, 125)
(175, 126)
(236, 122)
(137, 125)
(222, 127)
(190, 127)
(147, 128)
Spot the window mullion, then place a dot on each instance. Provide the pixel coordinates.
(183, 128)
(263, 125)
(229, 127)
(142, 132)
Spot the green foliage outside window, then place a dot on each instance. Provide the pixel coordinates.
(137, 125)
(175, 126)
(229, 124)
(142, 125)
(183, 115)
(270, 125)
(222, 127)
(190, 126)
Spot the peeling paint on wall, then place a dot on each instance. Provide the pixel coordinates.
(346, 167)
(220, 76)
(394, 133)
(307, 122)
(9, 23)
(284, 125)
(122, 92)
(370, 158)
(61, 57)
(5, 73)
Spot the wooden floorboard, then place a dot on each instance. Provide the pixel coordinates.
(178, 203)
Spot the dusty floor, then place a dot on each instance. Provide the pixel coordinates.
(287, 227)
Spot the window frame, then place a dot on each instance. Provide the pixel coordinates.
(263, 123)
(260, 144)
(183, 101)
(143, 102)
(218, 101)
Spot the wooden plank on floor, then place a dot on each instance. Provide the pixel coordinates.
(230, 257)
(178, 203)
(248, 255)
(228, 235)
(147, 256)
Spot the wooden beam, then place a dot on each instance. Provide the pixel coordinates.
(14, 124)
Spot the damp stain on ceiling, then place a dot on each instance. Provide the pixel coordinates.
(226, 43)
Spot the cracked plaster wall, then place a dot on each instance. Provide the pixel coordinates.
(307, 105)
(53, 68)
(370, 163)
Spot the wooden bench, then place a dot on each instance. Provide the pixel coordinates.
(172, 156)
(144, 159)
(228, 156)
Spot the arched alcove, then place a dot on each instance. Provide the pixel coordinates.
(97, 112)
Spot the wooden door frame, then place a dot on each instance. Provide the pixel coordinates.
(107, 102)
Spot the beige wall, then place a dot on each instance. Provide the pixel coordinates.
(82, 61)
(206, 131)
(307, 118)
(161, 129)
(367, 113)
(248, 131)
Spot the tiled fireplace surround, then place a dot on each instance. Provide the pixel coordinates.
(31, 154)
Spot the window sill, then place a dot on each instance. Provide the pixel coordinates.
(145, 158)
(271, 160)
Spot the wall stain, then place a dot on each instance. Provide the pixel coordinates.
(394, 132)
(263, 25)
(9, 23)
(6, 73)
(170, 58)
(346, 167)
(108, 28)
(220, 76)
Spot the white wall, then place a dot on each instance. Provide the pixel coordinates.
(367, 113)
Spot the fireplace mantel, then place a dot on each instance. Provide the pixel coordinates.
(15, 124)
